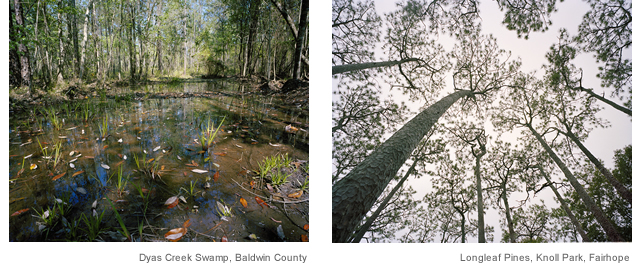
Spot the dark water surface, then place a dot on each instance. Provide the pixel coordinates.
(164, 136)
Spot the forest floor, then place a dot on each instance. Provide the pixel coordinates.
(294, 94)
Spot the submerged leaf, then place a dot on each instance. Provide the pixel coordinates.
(157, 148)
(224, 239)
(243, 202)
(34, 166)
(216, 176)
(171, 202)
(220, 153)
(58, 176)
(176, 234)
(105, 166)
(19, 212)
(261, 202)
(304, 238)
(81, 190)
(77, 173)
(306, 227)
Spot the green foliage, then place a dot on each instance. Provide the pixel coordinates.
(215, 67)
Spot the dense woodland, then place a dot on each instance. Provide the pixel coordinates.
(448, 145)
(53, 42)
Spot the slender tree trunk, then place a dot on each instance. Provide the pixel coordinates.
(606, 224)
(507, 211)
(83, 45)
(132, 49)
(23, 52)
(61, 56)
(565, 207)
(622, 190)
(365, 227)
(338, 69)
(15, 75)
(354, 194)
(291, 25)
(481, 236)
(73, 34)
(302, 31)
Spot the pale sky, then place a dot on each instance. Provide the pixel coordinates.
(601, 142)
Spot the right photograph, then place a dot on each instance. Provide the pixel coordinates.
(460, 121)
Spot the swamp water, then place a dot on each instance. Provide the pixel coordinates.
(89, 169)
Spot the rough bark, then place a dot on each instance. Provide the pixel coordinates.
(339, 69)
(354, 194)
(304, 10)
(622, 190)
(565, 207)
(606, 224)
(365, 227)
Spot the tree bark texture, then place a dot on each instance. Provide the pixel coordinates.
(606, 224)
(481, 236)
(339, 69)
(365, 227)
(354, 194)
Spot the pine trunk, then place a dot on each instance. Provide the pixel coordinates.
(354, 194)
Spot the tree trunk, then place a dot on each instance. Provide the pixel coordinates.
(302, 31)
(622, 190)
(15, 72)
(61, 55)
(338, 69)
(83, 44)
(73, 35)
(605, 100)
(291, 25)
(507, 211)
(481, 236)
(132, 49)
(565, 207)
(606, 224)
(23, 52)
(354, 194)
(365, 227)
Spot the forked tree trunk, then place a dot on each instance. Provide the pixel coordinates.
(606, 224)
(354, 194)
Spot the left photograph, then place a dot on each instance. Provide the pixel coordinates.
(159, 120)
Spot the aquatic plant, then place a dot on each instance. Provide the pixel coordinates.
(87, 110)
(124, 231)
(53, 118)
(121, 182)
(207, 135)
(305, 185)
(104, 127)
(94, 225)
(279, 177)
(57, 155)
(223, 209)
(71, 229)
(192, 186)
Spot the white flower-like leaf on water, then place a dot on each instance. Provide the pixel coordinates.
(253, 237)
(171, 200)
(224, 218)
(179, 157)
(83, 132)
(120, 140)
(71, 153)
(215, 164)
(95, 214)
(199, 171)
(74, 160)
(81, 190)
(157, 148)
(124, 157)
(238, 145)
(95, 204)
(45, 214)
(58, 200)
(145, 151)
(280, 232)
(72, 165)
(105, 166)
(28, 156)
(183, 200)
(139, 138)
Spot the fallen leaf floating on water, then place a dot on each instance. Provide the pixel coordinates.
(89, 156)
(58, 176)
(73, 160)
(199, 171)
(171, 202)
(238, 145)
(19, 172)
(105, 166)
(19, 212)
(201, 152)
(28, 156)
(149, 161)
(275, 145)
(280, 232)
(72, 165)
(261, 202)
(220, 153)
(216, 176)
(252, 184)
(72, 128)
(304, 238)
(105, 146)
(243, 202)
(185, 173)
(306, 227)
(34, 166)
(297, 194)
(157, 148)
(290, 129)
(81, 190)
(95, 204)
(253, 237)
(120, 140)
(62, 137)
(275, 220)
(71, 153)
(124, 157)
(216, 164)
(77, 173)
(192, 164)
(120, 155)
(179, 157)
(224, 239)
(183, 199)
